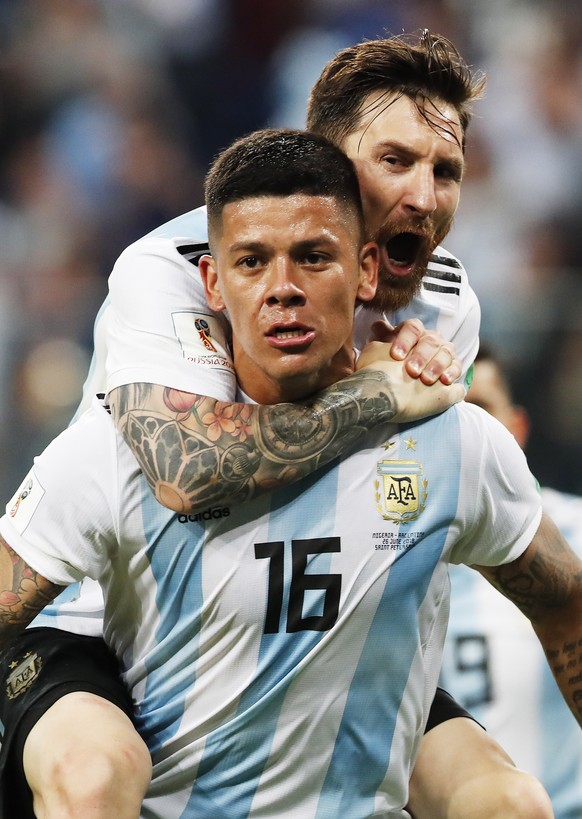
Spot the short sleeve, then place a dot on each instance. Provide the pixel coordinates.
(61, 519)
(158, 327)
(500, 507)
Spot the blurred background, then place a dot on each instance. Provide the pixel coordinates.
(111, 110)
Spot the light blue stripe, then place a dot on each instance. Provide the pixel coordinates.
(174, 554)
(561, 750)
(369, 720)
(235, 755)
(50, 613)
(428, 313)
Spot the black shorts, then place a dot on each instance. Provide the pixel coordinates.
(41, 667)
(443, 708)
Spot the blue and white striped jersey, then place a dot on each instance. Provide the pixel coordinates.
(494, 665)
(156, 327)
(283, 653)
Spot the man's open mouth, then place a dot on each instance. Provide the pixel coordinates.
(403, 250)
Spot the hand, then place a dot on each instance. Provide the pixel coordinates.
(414, 398)
(425, 352)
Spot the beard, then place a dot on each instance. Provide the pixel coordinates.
(411, 243)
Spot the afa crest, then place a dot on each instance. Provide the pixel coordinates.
(401, 491)
(22, 674)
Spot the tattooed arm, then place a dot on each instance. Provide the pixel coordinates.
(23, 593)
(196, 451)
(545, 583)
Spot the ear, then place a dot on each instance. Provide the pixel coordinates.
(209, 276)
(369, 257)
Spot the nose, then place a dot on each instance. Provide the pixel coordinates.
(420, 195)
(283, 287)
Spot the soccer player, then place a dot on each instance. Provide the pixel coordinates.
(493, 663)
(159, 348)
(284, 651)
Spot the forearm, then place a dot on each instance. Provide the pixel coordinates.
(196, 451)
(546, 584)
(23, 593)
(563, 650)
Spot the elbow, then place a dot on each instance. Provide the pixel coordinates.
(171, 497)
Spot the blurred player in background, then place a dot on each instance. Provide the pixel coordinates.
(493, 662)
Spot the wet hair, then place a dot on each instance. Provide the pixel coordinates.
(280, 162)
(423, 68)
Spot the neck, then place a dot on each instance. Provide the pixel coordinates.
(264, 388)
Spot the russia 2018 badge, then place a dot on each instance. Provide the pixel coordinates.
(24, 502)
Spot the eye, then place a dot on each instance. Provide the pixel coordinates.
(314, 258)
(249, 262)
(394, 161)
(446, 171)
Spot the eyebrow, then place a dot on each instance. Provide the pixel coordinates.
(456, 165)
(303, 246)
(248, 247)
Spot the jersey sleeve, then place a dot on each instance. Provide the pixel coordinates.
(61, 518)
(158, 327)
(501, 505)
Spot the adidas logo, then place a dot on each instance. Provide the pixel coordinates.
(208, 514)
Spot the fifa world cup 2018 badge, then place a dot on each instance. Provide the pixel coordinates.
(204, 332)
(21, 497)
(401, 491)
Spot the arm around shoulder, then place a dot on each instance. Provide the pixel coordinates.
(195, 450)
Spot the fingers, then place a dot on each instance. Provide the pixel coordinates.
(427, 355)
(385, 332)
(432, 362)
(414, 398)
(406, 337)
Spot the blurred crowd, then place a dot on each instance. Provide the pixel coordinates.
(110, 111)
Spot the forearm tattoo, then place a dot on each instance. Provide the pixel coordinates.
(196, 451)
(23, 593)
(546, 584)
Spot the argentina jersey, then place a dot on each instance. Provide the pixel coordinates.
(282, 653)
(294, 644)
(280, 679)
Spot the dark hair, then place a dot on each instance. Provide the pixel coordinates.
(277, 162)
(425, 67)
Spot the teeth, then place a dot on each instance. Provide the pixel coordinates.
(289, 333)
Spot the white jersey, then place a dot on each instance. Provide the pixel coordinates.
(494, 666)
(283, 653)
(156, 327)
